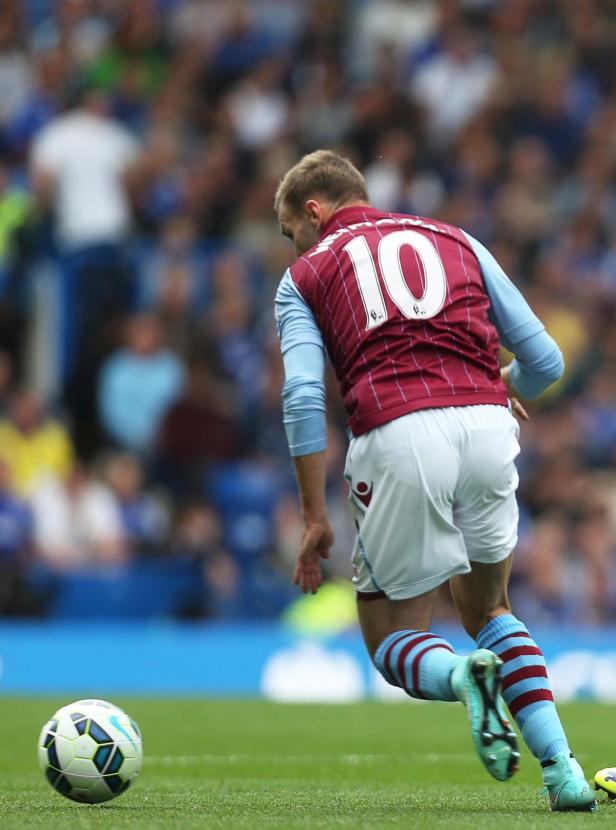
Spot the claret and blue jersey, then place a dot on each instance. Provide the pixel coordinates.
(411, 312)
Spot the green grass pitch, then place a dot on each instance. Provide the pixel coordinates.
(245, 764)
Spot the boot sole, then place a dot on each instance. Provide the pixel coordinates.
(495, 740)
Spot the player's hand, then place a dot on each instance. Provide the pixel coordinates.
(317, 540)
(518, 410)
(516, 407)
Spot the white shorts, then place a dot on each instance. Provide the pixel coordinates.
(432, 492)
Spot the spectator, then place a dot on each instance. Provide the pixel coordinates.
(15, 66)
(177, 252)
(230, 324)
(16, 211)
(77, 522)
(596, 419)
(198, 536)
(454, 85)
(15, 543)
(32, 443)
(137, 384)
(81, 163)
(144, 517)
(199, 428)
(258, 108)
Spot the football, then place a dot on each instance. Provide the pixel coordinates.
(605, 780)
(90, 751)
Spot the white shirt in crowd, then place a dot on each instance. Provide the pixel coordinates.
(453, 91)
(87, 155)
(76, 529)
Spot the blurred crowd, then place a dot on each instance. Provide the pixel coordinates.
(140, 146)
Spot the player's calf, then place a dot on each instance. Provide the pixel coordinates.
(419, 662)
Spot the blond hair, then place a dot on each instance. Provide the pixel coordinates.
(322, 173)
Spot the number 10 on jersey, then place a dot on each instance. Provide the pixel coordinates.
(388, 254)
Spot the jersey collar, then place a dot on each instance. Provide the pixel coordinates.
(348, 216)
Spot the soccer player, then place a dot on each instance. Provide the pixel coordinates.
(410, 312)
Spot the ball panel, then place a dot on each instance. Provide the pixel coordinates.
(115, 762)
(66, 727)
(64, 751)
(58, 781)
(82, 768)
(98, 733)
(124, 734)
(52, 755)
(115, 783)
(52, 775)
(84, 747)
(43, 758)
(102, 755)
(131, 767)
(101, 792)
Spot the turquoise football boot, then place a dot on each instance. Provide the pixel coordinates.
(476, 681)
(566, 786)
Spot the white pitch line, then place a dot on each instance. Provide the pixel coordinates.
(351, 760)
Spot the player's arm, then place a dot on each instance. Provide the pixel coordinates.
(303, 405)
(538, 361)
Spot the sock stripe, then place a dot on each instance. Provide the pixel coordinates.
(507, 637)
(519, 651)
(404, 651)
(524, 673)
(388, 653)
(534, 696)
(417, 661)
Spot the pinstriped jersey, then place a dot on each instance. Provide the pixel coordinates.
(403, 310)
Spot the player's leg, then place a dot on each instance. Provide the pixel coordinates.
(481, 600)
(400, 504)
(403, 648)
(425, 665)
(486, 512)
(402, 478)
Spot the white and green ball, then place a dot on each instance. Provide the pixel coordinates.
(90, 751)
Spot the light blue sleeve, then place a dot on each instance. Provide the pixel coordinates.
(303, 356)
(538, 361)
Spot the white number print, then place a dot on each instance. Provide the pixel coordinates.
(390, 246)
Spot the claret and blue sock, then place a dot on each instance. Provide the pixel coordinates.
(419, 662)
(525, 688)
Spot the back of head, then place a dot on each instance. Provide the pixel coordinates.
(322, 174)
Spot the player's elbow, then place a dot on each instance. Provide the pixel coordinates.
(531, 380)
(555, 367)
(300, 394)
